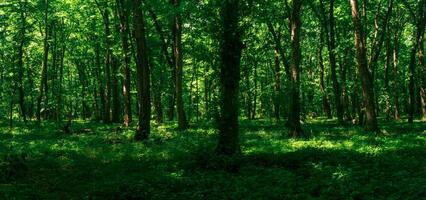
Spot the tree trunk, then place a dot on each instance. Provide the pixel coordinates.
(395, 78)
(43, 82)
(295, 129)
(231, 48)
(101, 88)
(124, 29)
(20, 81)
(115, 91)
(170, 62)
(387, 65)
(331, 43)
(412, 96)
(325, 101)
(343, 76)
(108, 57)
(277, 86)
(178, 61)
(420, 45)
(144, 95)
(366, 79)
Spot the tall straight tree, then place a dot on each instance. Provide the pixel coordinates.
(143, 82)
(44, 81)
(178, 61)
(331, 43)
(20, 83)
(122, 10)
(295, 128)
(419, 21)
(365, 75)
(104, 10)
(231, 48)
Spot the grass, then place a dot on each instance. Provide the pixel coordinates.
(99, 162)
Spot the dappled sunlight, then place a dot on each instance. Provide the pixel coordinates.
(331, 162)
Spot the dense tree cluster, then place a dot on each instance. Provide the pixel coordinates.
(118, 60)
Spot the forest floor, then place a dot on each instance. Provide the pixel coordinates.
(101, 162)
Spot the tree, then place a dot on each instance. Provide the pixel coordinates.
(43, 81)
(365, 75)
(178, 62)
(231, 48)
(143, 74)
(122, 10)
(295, 128)
(20, 83)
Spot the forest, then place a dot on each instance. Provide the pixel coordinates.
(212, 99)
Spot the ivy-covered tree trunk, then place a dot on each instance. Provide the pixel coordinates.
(143, 73)
(295, 128)
(231, 47)
(364, 73)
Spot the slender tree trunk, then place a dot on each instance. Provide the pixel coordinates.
(99, 77)
(143, 72)
(343, 76)
(178, 61)
(253, 113)
(412, 96)
(43, 82)
(277, 86)
(20, 81)
(61, 78)
(231, 48)
(170, 62)
(108, 58)
(387, 65)
(115, 91)
(366, 79)
(325, 101)
(395, 78)
(124, 29)
(420, 45)
(295, 127)
(332, 57)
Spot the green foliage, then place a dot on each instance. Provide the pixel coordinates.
(100, 163)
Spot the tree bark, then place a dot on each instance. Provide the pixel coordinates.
(43, 82)
(170, 62)
(115, 91)
(325, 101)
(178, 61)
(365, 75)
(277, 86)
(20, 81)
(295, 128)
(124, 29)
(231, 48)
(331, 44)
(395, 78)
(108, 57)
(143, 80)
(411, 90)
